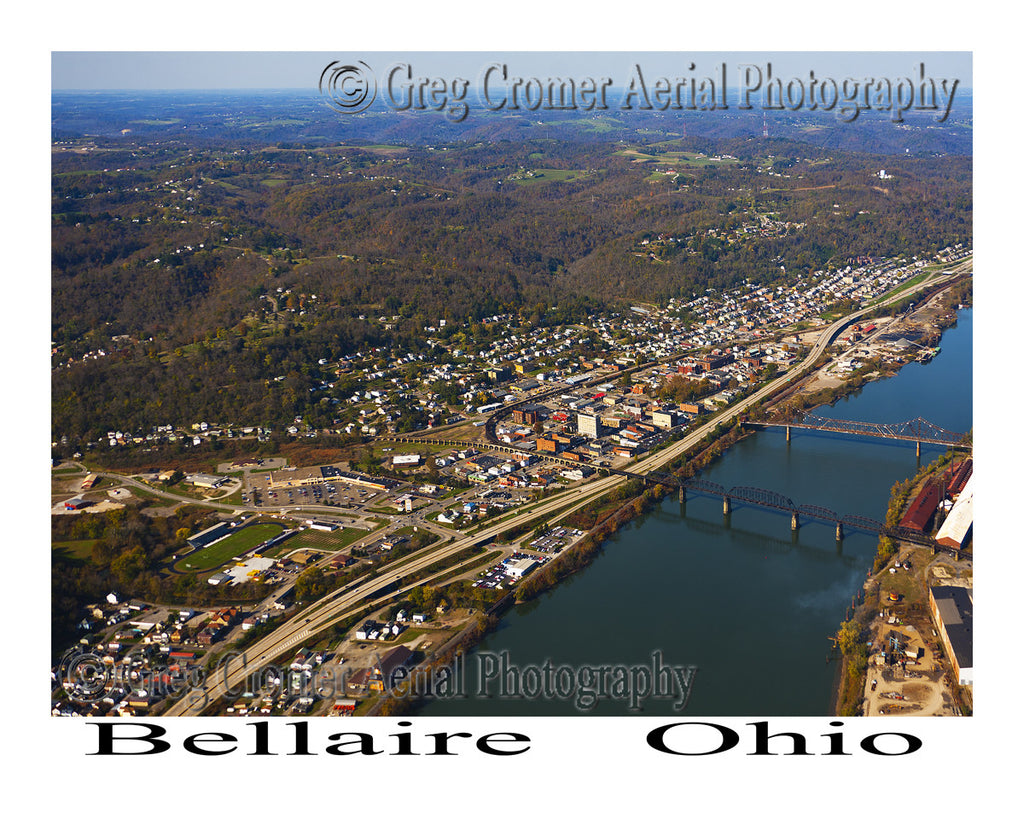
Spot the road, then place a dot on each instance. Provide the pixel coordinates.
(347, 600)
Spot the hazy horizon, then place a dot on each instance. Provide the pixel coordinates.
(298, 71)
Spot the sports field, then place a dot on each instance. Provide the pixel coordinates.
(232, 546)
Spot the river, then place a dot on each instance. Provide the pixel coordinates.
(745, 600)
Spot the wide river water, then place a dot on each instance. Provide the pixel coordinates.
(746, 601)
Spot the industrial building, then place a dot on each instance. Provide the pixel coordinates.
(958, 523)
(923, 507)
(952, 608)
(391, 669)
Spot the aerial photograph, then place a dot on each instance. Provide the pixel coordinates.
(511, 384)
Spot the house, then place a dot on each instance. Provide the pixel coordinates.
(366, 629)
(225, 617)
(304, 660)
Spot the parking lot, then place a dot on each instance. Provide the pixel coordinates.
(554, 540)
(257, 493)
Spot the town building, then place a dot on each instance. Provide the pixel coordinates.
(588, 425)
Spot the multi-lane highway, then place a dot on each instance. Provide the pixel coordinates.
(342, 603)
(227, 679)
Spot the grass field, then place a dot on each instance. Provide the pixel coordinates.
(598, 125)
(548, 175)
(329, 541)
(920, 277)
(156, 500)
(404, 449)
(232, 546)
(78, 549)
(680, 158)
(274, 123)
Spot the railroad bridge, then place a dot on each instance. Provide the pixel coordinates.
(756, 496)
(748, 495)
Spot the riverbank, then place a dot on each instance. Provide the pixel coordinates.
(695, 555)
(852, 694)
(934, 316)
(891, 628)
(926, 324)
(609, 518)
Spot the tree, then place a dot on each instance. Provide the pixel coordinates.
(848, 637)
(310, 585)
(129, 565)
(424, 598)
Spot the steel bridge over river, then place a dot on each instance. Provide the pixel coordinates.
(917, 430)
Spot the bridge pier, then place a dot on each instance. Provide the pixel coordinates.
(919, 449)
(789, 433)
(839, 531)
(794, 524)
(726, 505)
(682, 494)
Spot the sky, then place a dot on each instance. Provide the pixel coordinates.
(178, 70)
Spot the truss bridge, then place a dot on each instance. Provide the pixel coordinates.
(917, 430)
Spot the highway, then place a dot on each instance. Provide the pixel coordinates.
(345, 601)
(349, 599)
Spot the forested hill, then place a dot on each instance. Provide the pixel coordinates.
(185, 239)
